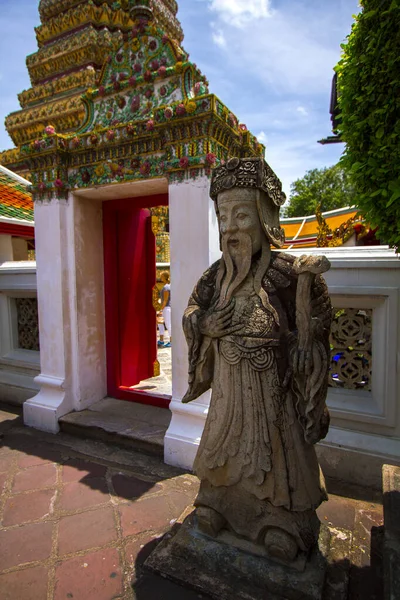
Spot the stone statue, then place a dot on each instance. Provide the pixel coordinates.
(257, 326)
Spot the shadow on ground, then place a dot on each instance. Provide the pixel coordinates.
(68, 451)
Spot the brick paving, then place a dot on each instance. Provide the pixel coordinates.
(79, 527)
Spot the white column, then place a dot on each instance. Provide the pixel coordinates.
(6, 249)
(69, 257)
(54, 399)
(194, 246)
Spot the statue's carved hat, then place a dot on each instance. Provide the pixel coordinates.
(253, 173)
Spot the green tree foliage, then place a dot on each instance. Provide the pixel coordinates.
(369, 102)
(328, 188)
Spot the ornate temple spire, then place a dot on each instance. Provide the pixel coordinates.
(74, 39)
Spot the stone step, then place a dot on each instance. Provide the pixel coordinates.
(126, 424)
(391, 544)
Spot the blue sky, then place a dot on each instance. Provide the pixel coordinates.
(269, 61)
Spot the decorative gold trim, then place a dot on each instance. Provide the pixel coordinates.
(156, 369)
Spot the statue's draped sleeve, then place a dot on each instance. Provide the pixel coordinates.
(313, 389)
(201, 350)
(309, 391)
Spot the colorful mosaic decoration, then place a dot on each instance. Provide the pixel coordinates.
(15, 197)
(149, 114)
(74, 38)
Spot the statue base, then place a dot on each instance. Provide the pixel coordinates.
(225, 570)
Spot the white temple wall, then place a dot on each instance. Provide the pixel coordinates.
(89, 352)
(20, 249)
(18, 366)
(70, 282)
(194, 244)
(6, 248)
(69, 251)
(54, 236)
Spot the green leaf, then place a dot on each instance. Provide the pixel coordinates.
(393, 197)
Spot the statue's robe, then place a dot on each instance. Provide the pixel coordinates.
(255, 461)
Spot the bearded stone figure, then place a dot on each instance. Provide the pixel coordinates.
(257, 326)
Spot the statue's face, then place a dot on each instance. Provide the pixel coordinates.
(238, 215)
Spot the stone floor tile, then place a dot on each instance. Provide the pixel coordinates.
(365, 519)
(131, 487)
(38, 457)
(21, 508)
(181, 500)
(139, 548)
(34, 478)
(3, 479)
(151, 514)
(5, 463)
(94, 576)
(90, 529)
(338, 511)
(25, 544)
(26, 584)
(78, 470)
(77, 495)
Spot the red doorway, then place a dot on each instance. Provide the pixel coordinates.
(129, 277)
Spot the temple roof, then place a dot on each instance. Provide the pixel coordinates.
(331, 228)
(74, 39)
(147, 112)
(15, 198)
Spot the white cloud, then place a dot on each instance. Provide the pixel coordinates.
(241, 12)
(303, 111)
(286, 51)
(262, 137)
(218, 36)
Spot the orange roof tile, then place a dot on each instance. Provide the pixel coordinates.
(15, 198)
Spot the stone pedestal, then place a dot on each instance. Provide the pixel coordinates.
(225, 571)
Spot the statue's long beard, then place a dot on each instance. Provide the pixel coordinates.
(235, 267)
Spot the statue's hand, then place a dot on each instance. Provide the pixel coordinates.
(303, 359)
(217, 323)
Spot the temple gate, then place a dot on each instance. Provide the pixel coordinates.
(118, 128)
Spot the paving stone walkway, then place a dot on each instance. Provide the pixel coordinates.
(77, 520)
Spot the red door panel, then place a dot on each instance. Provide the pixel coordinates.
(129, 277)
(137, 318)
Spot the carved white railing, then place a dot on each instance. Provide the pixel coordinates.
(19, 331)
(364, 392)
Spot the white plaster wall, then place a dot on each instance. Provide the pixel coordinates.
(70, 279)
(20, 249)
(6, 249)
(194, 246)
(53, 235)
(18, 367)
(69, 256)
(89, 348)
